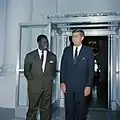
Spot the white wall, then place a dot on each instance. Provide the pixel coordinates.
(91, 6)
(43, 8)
(51, 7)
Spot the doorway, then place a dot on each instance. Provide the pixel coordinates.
(99, 95)
(99, 45)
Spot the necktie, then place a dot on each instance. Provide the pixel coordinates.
(76, 52)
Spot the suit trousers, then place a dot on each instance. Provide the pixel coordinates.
(76, 107)
(39, 101)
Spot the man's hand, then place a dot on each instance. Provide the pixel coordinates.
(63, 87)
(87, 91)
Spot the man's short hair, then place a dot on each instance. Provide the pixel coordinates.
(80, 31)
(40, 37)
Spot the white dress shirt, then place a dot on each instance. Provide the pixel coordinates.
(78, 50)
(44, 59)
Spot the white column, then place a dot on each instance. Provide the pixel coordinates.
(18, 11)
(2, 30)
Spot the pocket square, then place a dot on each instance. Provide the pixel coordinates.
(83, 58)
(51, 61)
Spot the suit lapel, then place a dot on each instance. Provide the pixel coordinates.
(37, 57)
(80, 55)
(81, 52)
(38, 60)
(71, 54)
(47, 60)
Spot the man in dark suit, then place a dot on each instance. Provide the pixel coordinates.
(76, 77)
(40, 70)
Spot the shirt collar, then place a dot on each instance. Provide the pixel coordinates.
(79, 47)
(40, 51)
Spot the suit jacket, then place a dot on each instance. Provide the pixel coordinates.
(77, 74)
(34, 74)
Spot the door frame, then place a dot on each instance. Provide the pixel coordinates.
(20, 111)
(113, 20)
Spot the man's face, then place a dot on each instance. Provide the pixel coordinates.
(77, 38)
(43, 44)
